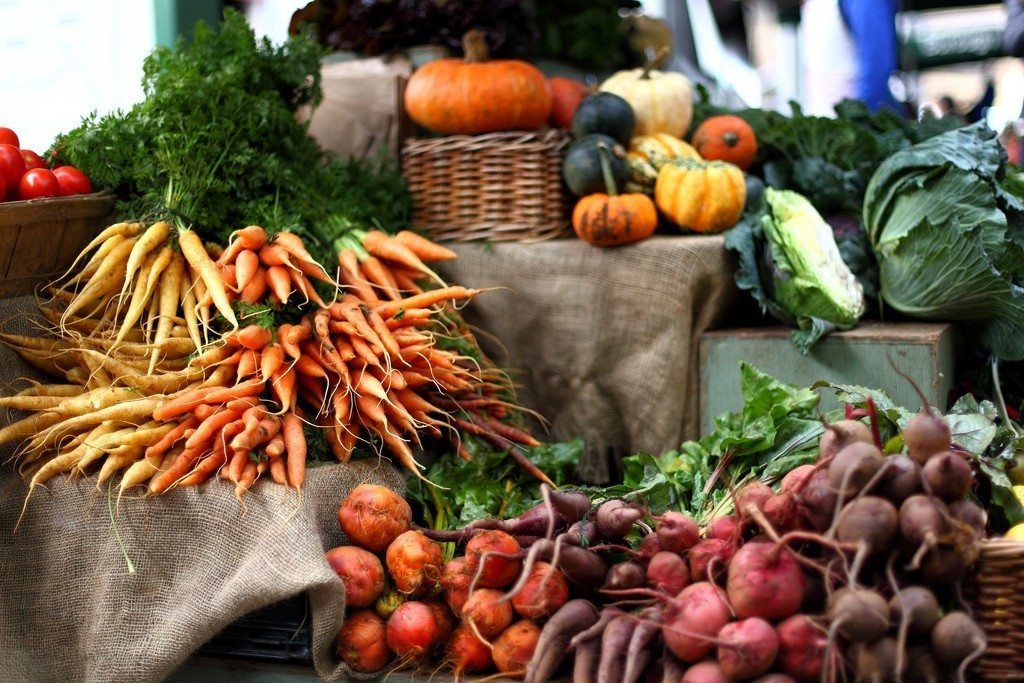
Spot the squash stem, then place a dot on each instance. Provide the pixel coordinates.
(606, 169)
(658, 56)
(474, 46)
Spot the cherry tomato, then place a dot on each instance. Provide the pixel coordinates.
(9, 137)
(37, 183)
(72, 181)
(3, 190)
(32, 160)
(12, 165)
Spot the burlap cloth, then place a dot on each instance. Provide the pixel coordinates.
(71, 611)
(606, 339)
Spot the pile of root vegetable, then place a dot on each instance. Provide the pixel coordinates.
(852, 570)
(179, 360)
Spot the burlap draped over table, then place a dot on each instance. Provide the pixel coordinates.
(605, 339)
(71, 611)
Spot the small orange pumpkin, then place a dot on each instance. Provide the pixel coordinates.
(726, 138)
(613, 219)
(472, 95)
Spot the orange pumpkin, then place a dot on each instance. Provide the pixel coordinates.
(726, 138)
(472, 95)
(613, 219)
(566, 95)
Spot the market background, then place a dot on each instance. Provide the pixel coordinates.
(949, 49)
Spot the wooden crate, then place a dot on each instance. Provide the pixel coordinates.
(40, 238)
(925, 351)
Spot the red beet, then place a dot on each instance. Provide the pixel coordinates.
(710, 553)
(747, 648)
(360, 571)
(668, 573)
(724, 528)
(677, 532)
(765, 581)
(802, 648)
(693, 619)
(412, 631)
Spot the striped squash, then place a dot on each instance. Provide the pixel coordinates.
(648, 153)
(703, 196)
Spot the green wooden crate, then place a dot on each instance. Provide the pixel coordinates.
(925, 351)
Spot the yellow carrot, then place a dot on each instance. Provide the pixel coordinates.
(194, 252)
(170, 290)
(150, 240)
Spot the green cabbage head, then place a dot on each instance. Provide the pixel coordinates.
(946, 223)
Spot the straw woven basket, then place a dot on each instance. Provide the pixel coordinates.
(999, 606)
(498, 187)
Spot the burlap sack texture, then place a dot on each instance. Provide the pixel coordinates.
(606, 339)
(71, 611)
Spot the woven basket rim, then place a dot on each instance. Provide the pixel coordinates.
(513, 137)
(1001, 546)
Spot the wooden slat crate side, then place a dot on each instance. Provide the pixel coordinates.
(39, 239)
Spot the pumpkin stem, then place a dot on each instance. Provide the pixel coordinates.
(474, 45)
(730, 138)
(654, 61)
(606, 169)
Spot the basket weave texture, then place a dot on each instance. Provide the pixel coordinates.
(498, 187)
(999, 605)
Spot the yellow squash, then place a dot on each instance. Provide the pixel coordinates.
(648, 153)
(703, 196)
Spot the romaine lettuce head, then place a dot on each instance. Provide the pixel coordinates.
(947, 227)
(808, 276)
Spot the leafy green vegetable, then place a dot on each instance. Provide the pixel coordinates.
(789, 261)
(489, 485)
(216, 144)
(776, 430)
(948, 233)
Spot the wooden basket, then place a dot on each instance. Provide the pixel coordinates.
(499, 186)
(999, 606)
(40, 238)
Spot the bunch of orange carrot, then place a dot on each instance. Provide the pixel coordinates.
(256, 269)
(369, 367)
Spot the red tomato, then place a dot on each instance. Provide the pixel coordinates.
(12, 165)
(9, 137)
(3, 189)
(72, 181)
(32, 160)
(37, 183)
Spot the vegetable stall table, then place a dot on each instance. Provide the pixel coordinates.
(606, 339)
(95, 588)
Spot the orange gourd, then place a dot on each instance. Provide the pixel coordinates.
(472, 95)
(703, 196)
(613, 219)
(726, 138)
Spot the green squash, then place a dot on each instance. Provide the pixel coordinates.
(581, 167)
(607, 113)
(755, 192)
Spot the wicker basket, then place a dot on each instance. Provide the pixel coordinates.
(999, 605)
(499, 186)
(40, 238)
